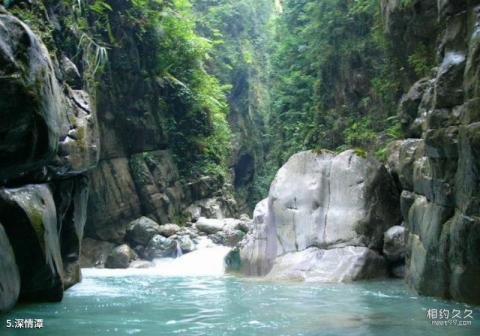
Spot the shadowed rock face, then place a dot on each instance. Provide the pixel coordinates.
(324, 201)
(48, 139)
(29, 218)
(47, 129)
(9, 276)
(439, 170)
(30, 122)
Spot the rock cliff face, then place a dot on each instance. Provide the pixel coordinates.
(438, 169)
(49, 140)
(138, 174)
(323, 210)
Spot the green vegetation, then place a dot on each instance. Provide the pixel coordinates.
(200, 134)
(332, 84)
(288, 76)
(240, 33)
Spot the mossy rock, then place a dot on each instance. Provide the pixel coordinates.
(28, 215)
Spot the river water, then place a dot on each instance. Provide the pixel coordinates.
(191, 296)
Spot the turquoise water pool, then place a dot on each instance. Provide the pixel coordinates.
(117, 303)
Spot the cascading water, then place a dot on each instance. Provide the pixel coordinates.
(179, 252)
(206, 260)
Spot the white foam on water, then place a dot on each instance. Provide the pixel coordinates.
(206, 260)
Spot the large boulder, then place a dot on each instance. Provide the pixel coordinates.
(29, 217)
(120, 257)
(336, 265)
(168, 230)
(160, 247)
(186, 244)
(227, 237)
(209, 225)
(323, 200)
(141, 230)
(9, 275)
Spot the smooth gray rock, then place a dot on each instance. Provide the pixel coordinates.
(186, 244)
(9, 275)
(168, 230)
(160, 247)
(120, 257)
(209, 225)
(141, 264)
(322, 200)
(257, 252)
(336, 265)
(394, 243)
(141, 230)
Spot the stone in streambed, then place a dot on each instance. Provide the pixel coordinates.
(186, 244)
(120, 257)
(336, 265)
(209, 225)
(9, 275)
(141, 264)
(168, 230)
(141, 231)
(160, 247)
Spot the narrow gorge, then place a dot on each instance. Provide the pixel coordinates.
(221, 167)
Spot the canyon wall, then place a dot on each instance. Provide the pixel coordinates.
(438, 166)
(49, 141)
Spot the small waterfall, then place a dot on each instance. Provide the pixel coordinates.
(179, 252)
(206, 260)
